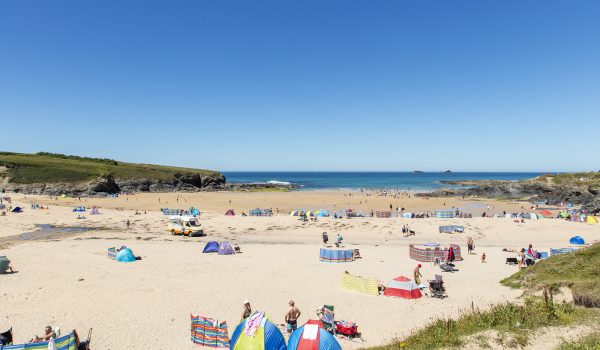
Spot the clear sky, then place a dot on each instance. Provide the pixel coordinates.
(305, 85)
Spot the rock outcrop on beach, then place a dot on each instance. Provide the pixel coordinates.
(579, 189)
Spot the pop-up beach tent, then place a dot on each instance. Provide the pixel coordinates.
(17, 210)
(230, 212)
(591, 219)
(313, 336)
(402, 287)
(225, 248)
(257, 332)
(211, 247)
(577, 240)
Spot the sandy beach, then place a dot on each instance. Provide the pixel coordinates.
(67, 280)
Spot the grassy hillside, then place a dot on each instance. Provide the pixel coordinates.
(575, 179)
(511, 323)
(52, 168)
(579, 270)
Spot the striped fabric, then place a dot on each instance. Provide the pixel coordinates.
(67, 342)
(336, 255)
(402, 287)
(209, 332)
(383, 214)
(112, 253)
(558, 251)
(429, 255)
(260, 212)
(444, 214)
(171, 212)
(451, 229)
(359, 284)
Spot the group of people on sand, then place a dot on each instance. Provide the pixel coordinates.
(49, 333)
(291, 316)
(338, 242)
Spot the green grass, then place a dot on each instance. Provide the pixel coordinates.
(588, 342)
(578, 179)
(512, 322)
(52, 168)
(579, 271)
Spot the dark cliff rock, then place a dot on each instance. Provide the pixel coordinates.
(586, 196)
(103, 185)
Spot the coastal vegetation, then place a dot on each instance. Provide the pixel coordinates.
(579, 271)
(46, 167)
(511, 324)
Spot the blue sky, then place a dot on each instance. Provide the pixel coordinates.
(305, 85)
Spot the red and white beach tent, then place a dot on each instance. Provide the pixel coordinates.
(402, 287)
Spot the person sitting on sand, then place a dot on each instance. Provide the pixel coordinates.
(247, 310)
(291, 317)
(328, 318)
(417, 274)
(48, 334)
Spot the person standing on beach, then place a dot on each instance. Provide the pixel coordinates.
(417, 274)
(325, 238)
(291, 317)
(128, 223)
(470, 245)
(247, 310)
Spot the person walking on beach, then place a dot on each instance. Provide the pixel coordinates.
(417, 274)
(128, 223)
(470, 245)
(325, 238)
(247, 310)
(339, 240)
(291, 317)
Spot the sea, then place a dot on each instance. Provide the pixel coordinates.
(409, 181)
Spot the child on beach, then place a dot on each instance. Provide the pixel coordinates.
(483, 257)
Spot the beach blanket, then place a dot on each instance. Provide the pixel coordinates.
(209, 332)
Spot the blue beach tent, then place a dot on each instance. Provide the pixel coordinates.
(211, 247)
(267, 336)
(577, 240)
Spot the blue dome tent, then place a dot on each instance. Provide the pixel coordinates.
(313, 336)
(577, 240)
(225, 248)
(267, 336)
(211, 247)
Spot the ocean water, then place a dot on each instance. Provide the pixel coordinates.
(425, 181)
